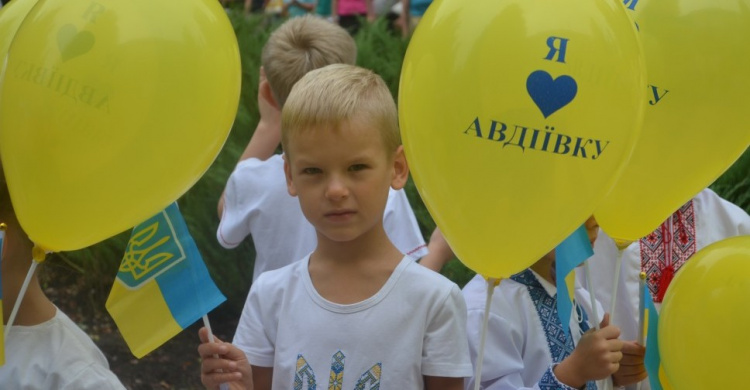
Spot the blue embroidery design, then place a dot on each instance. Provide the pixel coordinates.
(560, 344)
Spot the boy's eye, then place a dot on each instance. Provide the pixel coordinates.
(311, 171)
(357, 167)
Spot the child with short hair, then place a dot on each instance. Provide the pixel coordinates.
(255, 201)
(356, 313)
(526, 346)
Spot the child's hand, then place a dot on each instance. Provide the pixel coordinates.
(631, 369)
(596, 356)
(223, 363)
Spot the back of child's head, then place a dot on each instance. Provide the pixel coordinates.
(301, 45)
(337, 94)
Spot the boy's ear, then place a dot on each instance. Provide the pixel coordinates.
(264, 90)
(400, 169)
(288, 174)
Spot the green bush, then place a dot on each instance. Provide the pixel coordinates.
(379, 50)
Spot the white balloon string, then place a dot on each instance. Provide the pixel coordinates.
(491, 283)
(21, 294)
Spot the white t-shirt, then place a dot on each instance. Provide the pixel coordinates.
(54, 355)
(414, 326)
(707, 218)
(256, 203)
(517, 353)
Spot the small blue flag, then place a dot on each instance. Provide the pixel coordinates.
(652, 360)
(569, 254)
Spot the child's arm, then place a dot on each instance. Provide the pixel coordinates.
(631, 369)
(223, 363)
(443, 383)
(596, 356)
(439, 252)
(267, 135)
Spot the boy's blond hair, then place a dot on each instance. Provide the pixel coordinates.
(301, 45)
(338, 93)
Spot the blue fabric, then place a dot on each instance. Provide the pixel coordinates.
(569, 254)
(559, 342)
(652, 360)
(419, 7)
(186, 286)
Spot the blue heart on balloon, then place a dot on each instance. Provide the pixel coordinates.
(550, 94)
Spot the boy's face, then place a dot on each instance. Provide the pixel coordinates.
(342, 178)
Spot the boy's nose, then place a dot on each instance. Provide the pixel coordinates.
(336, 189)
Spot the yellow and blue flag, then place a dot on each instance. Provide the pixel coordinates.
(569, 254)
(2, 330)
(652, 360)
(162, 286)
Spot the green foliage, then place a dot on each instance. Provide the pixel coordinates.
(379, 50)
(734, 184)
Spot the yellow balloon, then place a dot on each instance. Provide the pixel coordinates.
(695, 125)
(704, 318)
(110, 110)
(517, 116)
(11, 16)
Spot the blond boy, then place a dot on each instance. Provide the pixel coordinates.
(255, 201)
(356, 313)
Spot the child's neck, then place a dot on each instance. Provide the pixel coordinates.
(352, 271)
(543, 267)
(35, 307)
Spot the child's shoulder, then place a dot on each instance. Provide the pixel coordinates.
(278, 279)
(506, 294)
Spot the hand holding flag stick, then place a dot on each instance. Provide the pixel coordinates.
(211, 339)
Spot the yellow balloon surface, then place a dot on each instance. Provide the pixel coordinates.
(11, 16)
(695, 125)
(704, 319)
(517, 117)
(110, 110)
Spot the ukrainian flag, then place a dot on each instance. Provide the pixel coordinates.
(569, 254)
(652, 360)
(162, 286)
(2, 330)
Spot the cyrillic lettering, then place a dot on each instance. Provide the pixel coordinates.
(580, 148)
(599, 149)
(493, 129)
(534, 136)
(86, 95)
(520, 139)
(565, 144)
(559, 50)
(103, 103)
(657, 97)
(546, 137)
(477, 129)
(630, 4)
(93, 12)
(38, 75)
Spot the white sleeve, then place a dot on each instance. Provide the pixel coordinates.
(241, 200)
(256, 331)
(503, 355)
(93, 377)
(719, 218)
(445, 352)
(401, 225)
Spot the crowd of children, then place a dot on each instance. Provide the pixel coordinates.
(344, 292)
(402, 15)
